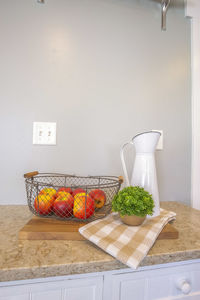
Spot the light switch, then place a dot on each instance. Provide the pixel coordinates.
(160, 142)
(44, 133)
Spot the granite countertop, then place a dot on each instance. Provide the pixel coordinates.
(35, 259)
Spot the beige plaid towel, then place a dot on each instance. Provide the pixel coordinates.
(128, 244)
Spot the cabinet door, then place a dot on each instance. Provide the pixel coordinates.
(70, 289)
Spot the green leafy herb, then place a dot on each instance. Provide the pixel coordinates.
(133, 200)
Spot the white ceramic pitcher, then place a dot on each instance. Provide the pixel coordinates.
(144, 171)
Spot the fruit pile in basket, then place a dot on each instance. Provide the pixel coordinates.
(67, 203)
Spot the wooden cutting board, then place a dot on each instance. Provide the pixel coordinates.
(52, 229)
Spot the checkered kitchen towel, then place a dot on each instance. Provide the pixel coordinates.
(128, 244)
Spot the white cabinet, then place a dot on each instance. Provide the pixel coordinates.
(182, 282)
(70, 289)
(175, 281)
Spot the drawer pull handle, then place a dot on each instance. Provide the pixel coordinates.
(184, 285)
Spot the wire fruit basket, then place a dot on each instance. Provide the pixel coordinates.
(70, 197)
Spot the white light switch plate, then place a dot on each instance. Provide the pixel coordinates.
(44, 133)
(160, 142)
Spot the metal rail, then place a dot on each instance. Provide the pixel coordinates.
(164, 8)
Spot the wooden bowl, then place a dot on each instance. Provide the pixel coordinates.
(132, 220)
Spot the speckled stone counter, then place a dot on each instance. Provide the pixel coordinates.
(35, 259)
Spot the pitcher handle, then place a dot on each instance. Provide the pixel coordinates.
(123, 162)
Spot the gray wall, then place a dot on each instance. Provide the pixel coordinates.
(104, 71)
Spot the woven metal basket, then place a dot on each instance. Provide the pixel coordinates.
(56, 195)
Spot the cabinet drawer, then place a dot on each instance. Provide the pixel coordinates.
(181, 282)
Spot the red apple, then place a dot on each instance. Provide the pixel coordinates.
(43, 203)
(65, 189)
(83, 206)
(49, 191)
(78, 191)
(61, 193)
(63, 205)
(99, 197)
